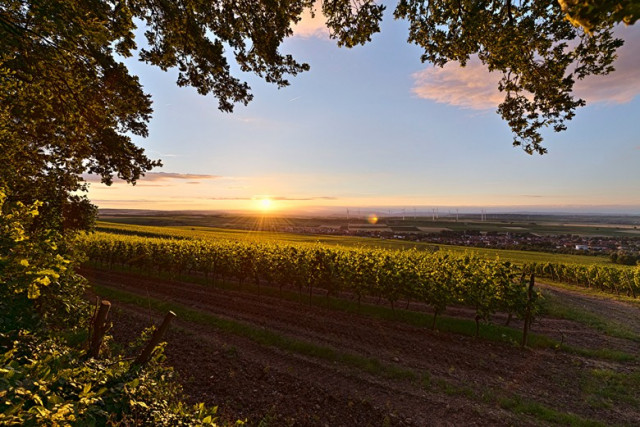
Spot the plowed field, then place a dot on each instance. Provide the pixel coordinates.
(292, 363)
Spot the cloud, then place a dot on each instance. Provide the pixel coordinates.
(622, 85)
(156, 176)
(474, 87)
(470, 87)
(303, 199)
(312, 26)
(161, 176)
(277, 198)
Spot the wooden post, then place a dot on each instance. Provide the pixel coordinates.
(155, 339)
(527, 316)
(99, 328)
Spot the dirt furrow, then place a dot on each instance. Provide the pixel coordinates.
(452, 360)
(256, 383)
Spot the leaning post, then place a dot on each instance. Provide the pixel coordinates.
(99, 328)
(527, 316)
(155, 339)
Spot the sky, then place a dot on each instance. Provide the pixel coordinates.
(374, 128)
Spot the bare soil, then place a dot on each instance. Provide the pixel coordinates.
(459, 380)
(617, 311)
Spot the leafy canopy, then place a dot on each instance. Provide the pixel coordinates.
(590, 14)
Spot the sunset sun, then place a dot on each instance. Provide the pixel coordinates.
(265, 204)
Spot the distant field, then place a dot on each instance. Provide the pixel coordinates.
(199, 232)
(628, 226)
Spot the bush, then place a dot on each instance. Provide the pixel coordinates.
(46, 376)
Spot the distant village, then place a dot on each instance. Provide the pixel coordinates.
(563, 243)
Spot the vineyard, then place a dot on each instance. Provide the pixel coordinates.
(284, 306)
(436, 279)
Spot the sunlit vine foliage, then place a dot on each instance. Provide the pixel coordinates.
(438, 279)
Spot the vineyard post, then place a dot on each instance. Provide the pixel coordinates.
(155, 339)
(99, 328)
(527, 316)
(630, 282)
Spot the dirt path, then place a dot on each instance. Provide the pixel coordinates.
(462, 378)
(617, 311)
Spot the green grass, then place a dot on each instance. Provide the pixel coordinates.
(601, 353)
(604, 388)
(542, 412)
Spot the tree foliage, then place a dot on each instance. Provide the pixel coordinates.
(69, 105)
(590, 14)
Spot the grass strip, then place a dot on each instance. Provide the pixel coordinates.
(544, 413)
(601, 353)
(606, 388)
(262, 336)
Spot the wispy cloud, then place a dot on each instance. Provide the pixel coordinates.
(161, 176)
(474, 87)
(277, 198)
(158, 176)
(163, 155)
(303, 198)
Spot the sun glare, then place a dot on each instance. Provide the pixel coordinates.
(265, 204)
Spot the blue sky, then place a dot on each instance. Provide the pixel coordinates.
(374, 127)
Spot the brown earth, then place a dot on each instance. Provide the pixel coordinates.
(617, 311)
(459, 380)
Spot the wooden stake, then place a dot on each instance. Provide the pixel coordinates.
(99, 328)
(527, 316)
(155, 339)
